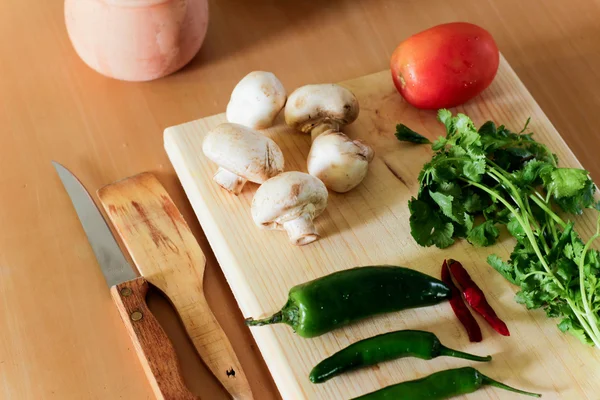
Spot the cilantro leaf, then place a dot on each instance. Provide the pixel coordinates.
(444, 173)
(574, 328)
(439, 144)
(515, 229)
(450, 188)
(469, 135)
(528, 298)
(427, 227)
(551, 290)
(565, 270)
(445, 203)
(465, 126)
(484, 234)
(405, 134)
(473, 202)
(488, 128)
(445, 117)
(567, 182)
(473, 170)
(504, 268)
(468, 222)
(526, 125)
(533, 173)
(584, 198)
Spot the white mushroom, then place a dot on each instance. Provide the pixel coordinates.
(242, 155)
(315, 109)
(256, 100)
(340, 162)
(290, 201)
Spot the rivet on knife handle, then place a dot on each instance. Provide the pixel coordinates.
(153, 347)
(166, 252)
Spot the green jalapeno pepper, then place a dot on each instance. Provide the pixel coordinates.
(322, 305)
(389, 346)
(439, 386)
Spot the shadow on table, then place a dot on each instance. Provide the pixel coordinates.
(196, 375)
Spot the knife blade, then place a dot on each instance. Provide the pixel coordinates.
(114, 265)
(153, 347)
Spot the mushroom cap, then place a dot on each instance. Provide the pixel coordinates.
(311, 105)
(244, 152)
(338, 161)
(256, 100)
(286, 197)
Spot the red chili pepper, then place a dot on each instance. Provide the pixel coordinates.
(475, 297)
(460, 308)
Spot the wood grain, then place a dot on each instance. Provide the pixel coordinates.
(60, 335)
(370, 226)
(155, 351)
(168, 256)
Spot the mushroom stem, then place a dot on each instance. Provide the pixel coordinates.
(322, 128)
(338, 161)
(301, 230)
(229, 181)
(365, 150)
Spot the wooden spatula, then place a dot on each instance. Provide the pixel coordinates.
(167, 254)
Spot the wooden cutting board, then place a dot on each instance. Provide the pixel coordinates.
(369, 225)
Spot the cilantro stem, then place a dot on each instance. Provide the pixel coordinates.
(540, 202)
(552, 228)
(584, 323)
(514, 194)
(549, 218)
(593, 320)
(543, 240)
(589, 324)
(526, 228)
(528, 208)
(435, 163)
(543, 273)
(502, 177)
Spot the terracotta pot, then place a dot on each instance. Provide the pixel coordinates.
(136, 40)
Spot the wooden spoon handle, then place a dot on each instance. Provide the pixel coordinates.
(166, 253)
(152, 345)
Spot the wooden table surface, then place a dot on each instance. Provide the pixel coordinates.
(60, 335)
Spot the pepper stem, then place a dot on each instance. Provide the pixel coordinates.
(445, 351)
(489, 381)
(273, 319)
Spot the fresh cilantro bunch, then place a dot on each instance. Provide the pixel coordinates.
(479, 180)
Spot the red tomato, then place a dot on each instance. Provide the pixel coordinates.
(445, 66)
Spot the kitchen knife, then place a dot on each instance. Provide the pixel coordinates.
(153, 347)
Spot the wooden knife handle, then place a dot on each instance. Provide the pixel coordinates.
(153, 347)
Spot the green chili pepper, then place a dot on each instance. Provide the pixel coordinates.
(439, 386)
(389, 346)
(322, 305)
